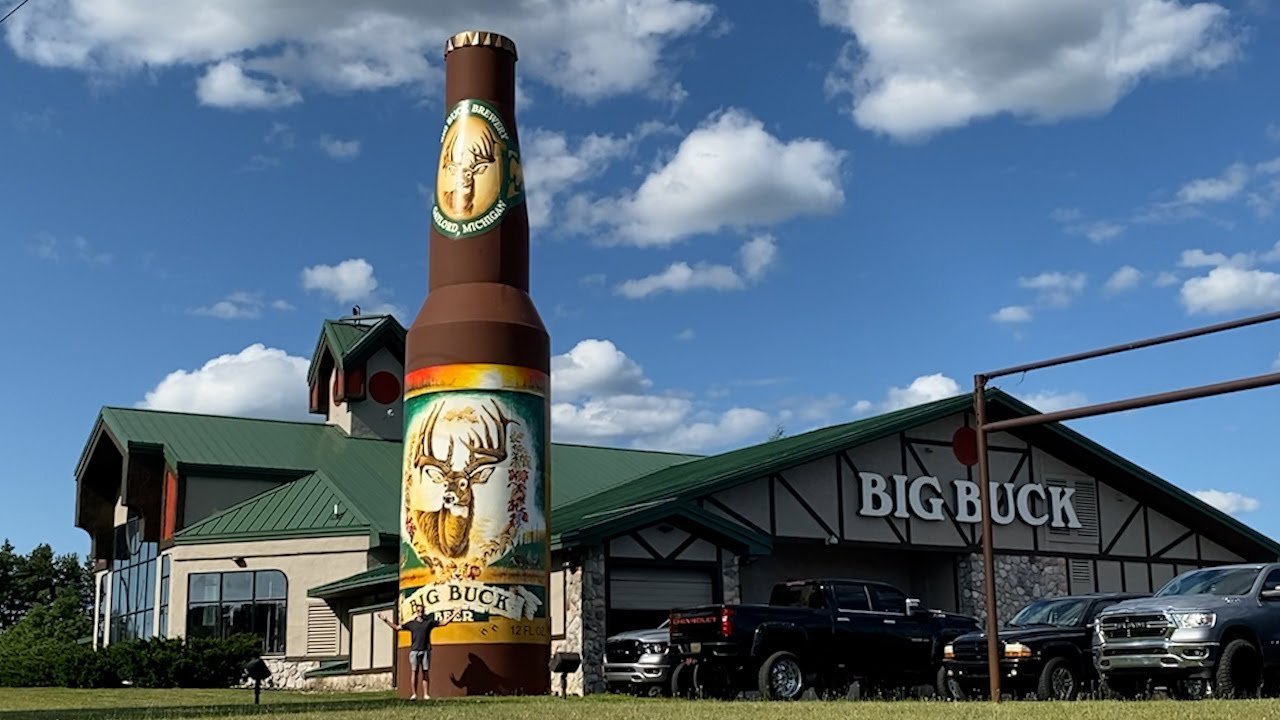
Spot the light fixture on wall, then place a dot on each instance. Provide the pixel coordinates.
(832, 540)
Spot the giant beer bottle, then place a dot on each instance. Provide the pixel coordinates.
(475, 510)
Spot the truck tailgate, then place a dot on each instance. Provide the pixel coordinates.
(698, 624)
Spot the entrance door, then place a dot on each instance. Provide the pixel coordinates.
(642, 597)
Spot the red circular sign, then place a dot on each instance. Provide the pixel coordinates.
(965, 446)
(384, 387)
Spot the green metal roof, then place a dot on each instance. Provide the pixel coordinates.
(360, 474)
(301, 508)
(676, 487)
(697, 478)
(352, 340)
(361, 471)
(360, 581)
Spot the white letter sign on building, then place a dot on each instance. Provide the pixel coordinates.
(1032, 503)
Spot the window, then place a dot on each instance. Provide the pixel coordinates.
(803, 595)
(133, 583)
(1272, 581)
(164, 597)
(101, 631)
(224, 604)
(887, 599)
(556, 608)
(852, 597)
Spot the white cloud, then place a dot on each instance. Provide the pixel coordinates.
(348, 281)
(681, 277)
(281, 134)
(596, 367)
(1055, 289)
(1165, 279)
(49, 247)
(1233, 284)
(924, 389)
(756, 256)
(602, 396)
(1052, 401)
(1231, 503)
(1074, 222)
(225, 85)
(917, 67)
(587, 49)
(728, 173)
(1012, 314)
(256, 382)
(685, 334)
(554, 167)
(339, 149)
(240, 305)
(1229, 184)
(1126, 278)
(1230, 289)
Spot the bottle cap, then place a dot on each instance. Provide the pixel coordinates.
(480, 38)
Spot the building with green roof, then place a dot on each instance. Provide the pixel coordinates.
(205, 525)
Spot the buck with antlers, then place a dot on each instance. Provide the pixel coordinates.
(448, 529)
(461, 199)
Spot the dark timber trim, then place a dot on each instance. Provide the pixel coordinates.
(1124, 527)
(779, 477)
(736, 515)
(945, 508)
(688, 542)
(645, 544)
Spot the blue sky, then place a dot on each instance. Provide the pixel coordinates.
(745, 215)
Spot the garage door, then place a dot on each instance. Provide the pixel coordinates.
(659, 588)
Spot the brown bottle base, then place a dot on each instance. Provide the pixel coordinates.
(480, 669)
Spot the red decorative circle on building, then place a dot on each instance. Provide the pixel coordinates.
(965, 446)
(384, 387)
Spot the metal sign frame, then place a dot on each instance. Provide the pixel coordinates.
(980, 381)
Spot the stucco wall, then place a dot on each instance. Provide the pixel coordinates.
(306, 563)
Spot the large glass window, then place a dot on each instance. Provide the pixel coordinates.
(101, 631)
(133, 583)
(164, 597)
(225, 604)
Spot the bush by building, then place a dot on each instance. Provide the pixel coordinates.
(45, 649)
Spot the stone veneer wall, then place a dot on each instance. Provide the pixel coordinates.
(1019, 580)
(287, 674)
(584, 633)
(729, 578)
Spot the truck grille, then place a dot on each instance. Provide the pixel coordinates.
(621, 651)
(970, 651)
(1122, 627)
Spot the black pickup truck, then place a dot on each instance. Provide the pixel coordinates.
(1045, 650)
(820, 634)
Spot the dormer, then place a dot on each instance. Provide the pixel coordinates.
(357, 374)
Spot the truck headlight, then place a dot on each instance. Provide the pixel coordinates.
(1017, 650)
(1191, 620)
(654, 648)
(948, 652)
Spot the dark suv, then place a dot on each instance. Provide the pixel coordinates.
(1045, 650)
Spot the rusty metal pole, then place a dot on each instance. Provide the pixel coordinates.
(988, 552)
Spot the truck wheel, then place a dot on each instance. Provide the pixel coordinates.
(947, 687)
(1239, 673)
(682, 681)
(781, 677)
(1057, 680)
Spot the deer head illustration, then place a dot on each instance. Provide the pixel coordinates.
(461, 199)
(448, 529)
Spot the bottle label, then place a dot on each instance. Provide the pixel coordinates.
(473, 523)
(480, 177)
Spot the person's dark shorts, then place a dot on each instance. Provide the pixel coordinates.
(419, 660)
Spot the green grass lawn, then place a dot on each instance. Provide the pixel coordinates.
(48, 704)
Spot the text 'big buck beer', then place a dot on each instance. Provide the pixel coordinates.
(476, 488)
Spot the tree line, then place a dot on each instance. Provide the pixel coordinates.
(38, 578)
